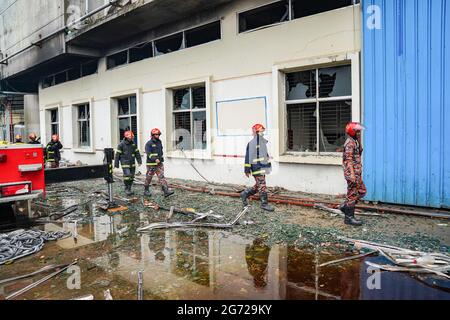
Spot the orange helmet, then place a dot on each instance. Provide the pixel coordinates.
(55, 137)
(129, 135)
(353, 127)
(257, 128)
(156, 131)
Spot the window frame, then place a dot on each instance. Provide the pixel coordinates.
(191, 112)
(317, 100)
(290, 16)
(88, 121)
(128, 116)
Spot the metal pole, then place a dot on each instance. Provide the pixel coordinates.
(141, 285)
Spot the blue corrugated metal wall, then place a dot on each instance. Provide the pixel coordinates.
(406, 81)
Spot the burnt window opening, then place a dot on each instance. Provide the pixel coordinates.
(54, 122)
(189, 115)
(89, 68)
(317, 123)
(74, 73)
(203, 34)
(141, 52)
(264, 16)
(60, 77)
(84, 119)
(302, 8)
(48, 82)
(169, 44)
(117, 59)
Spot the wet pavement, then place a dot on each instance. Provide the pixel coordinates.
(272, 256)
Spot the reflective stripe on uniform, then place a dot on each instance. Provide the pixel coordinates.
(152, 164)
(118, 151)
(248, 165)
(259, 159)
(258, 172)
(125, 166)
(153, 155)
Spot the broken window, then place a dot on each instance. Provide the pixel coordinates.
(302, 8)
(264, 16)
(48, 82)
(189, 114)
(127, 116)
(74, 73)
(89, 68)
(117, 59)
(141, 52)
(54, 122)
(84, 118)
(169, 44)
(203, 34)
(60, 77)
(317, 124)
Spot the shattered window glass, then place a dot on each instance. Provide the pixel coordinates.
(117, 59)
(182, 99)
(302, 127)
(334, 116)
(133, 106)
(124, 106)
(199, 98)
(89, 68)
(60, 77)
(74, 73)
(203, 34)
(84, 126)
(335, 82)
(264, 16)
(124, 125)
(301, 85)
(169, 44)
(54, 122)
(182, 126)
(54, 115)
(199, 122)
(141, 52)
(302, 8)
(48, 82)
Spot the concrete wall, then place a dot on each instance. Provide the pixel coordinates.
(239, 66)
(24, 22)
(31, 114)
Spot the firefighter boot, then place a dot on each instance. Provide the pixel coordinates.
(265, 203)
(147, 192)
(167, 191)
(350, 217)
(247, 193)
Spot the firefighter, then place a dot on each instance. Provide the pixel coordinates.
(127, 154)
(257, 164)
(52, 152)
(18, 139)
(155, 164)
(356, 189)
(33, 139)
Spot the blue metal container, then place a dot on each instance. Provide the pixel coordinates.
(406, 94)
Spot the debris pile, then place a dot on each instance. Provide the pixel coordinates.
(21, 243)
(405, 260)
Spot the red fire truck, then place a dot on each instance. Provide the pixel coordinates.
(21, 172)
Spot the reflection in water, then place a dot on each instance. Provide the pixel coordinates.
(212, 264)
(257, 257)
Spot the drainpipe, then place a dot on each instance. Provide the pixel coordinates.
(51, 35)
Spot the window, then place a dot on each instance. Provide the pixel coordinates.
(318, 107)
(84, 119)
(264, 16)
(141, 52)
(74, 73)
(203, 34)
(286, 10)
(169, 44)
(117, 59)
(54, 122)
(189, 116)
(303, 8)
(89, 68)
(127, 116)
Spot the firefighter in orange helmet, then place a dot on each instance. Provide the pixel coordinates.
(127, 154)
(257, 164)
(155, 164)
(356, 189)
(52, 152)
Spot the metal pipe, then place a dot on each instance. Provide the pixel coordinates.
(140, 285)
(54, 33)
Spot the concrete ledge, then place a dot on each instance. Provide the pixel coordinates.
(334, 160)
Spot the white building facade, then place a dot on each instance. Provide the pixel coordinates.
(204, 85)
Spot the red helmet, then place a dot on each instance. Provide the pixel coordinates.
(353, 127)
(55, 137)
(257, 128)
(156, 131)
(129, 135)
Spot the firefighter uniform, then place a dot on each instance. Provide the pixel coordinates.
(155, 166)
(53, 154)
(356, 190)
(127, 154)
(257, 163)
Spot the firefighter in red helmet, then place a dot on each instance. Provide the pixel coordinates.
(52, 152)
(127, 154)
(155, 164)
(257, 164)
(356, 189)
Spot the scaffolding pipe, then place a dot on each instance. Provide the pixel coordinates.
(54, 33)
